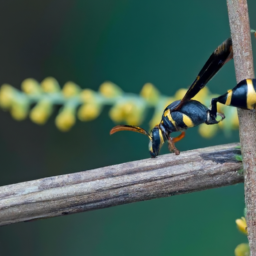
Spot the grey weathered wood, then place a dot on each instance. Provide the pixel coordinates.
(166, 175)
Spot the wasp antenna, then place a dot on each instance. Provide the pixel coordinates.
(117, 128)
(138, 129)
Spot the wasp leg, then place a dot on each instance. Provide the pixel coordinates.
(212, 113)
(221, 115)
(178, 138)
(211, 118)
(172, 147)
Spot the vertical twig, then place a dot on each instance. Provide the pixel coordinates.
(240, 32)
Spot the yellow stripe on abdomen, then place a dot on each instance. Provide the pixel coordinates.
(251, 95)
(229, 96)
(187, 121)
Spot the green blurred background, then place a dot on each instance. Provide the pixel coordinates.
(129, 42)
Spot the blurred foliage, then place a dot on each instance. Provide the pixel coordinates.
(37, 100)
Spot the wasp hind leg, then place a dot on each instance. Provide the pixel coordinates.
(212, 113)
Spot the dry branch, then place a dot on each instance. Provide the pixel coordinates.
(241, 38)
(166, 175)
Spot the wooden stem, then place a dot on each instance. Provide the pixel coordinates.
(241, 38)
(166, 175)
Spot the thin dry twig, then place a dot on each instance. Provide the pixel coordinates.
(166, 175)
(241, 38)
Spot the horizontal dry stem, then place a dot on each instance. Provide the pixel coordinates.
(166, 175)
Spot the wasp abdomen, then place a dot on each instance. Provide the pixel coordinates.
(251, 93)
(243, 95)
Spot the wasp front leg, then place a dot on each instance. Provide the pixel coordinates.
(171, 147)
(172, 141)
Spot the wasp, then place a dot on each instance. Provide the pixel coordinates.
(185, 113)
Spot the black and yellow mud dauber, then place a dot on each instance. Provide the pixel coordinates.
(186, 113)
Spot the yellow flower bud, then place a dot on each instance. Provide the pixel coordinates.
(18, 114)
(65, 120)
(50, 85)
(89, 112)
(207, 131)
(221, 125)
(30, 86)
(201, 96)
(180, 94)
(242, 225)
(41, 112)
(38, 115)
(19, 110)
(70, 89)
(221, 108)
(235, 121)
(116, 114)
(6, 95)
(169, 101)
(149, 92)
(128, 108)
(110, 90)
(128, 111)
(87, 95)
(133, 112)
(242, 250)
(155, 120)
(134, 120)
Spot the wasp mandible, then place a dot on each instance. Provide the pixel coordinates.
(185, 113)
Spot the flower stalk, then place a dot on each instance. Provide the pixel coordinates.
(86, 104)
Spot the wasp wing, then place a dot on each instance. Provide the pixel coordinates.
(219, 57)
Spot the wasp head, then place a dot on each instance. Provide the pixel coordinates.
(156, 142)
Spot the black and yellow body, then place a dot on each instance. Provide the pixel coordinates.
(192, 113)
(243, 95)
(185, 113)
